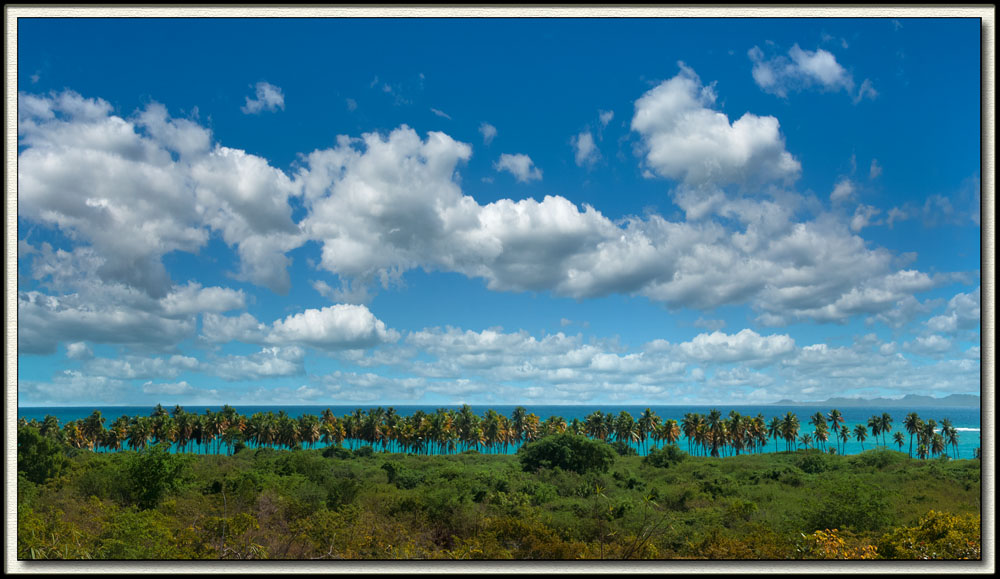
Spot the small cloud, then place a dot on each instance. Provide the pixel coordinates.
(606, 117)
(896, 24)
(521, 166)
(441, 114)
(352, 105)
(863, 217)
(269, 97)
(586, 151)
(488, 131)
(565, 322)
(35, 78)
(876, 169)
(843, 191)
(867, 90)
(79, 351)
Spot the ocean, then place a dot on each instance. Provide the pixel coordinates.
(966, 420)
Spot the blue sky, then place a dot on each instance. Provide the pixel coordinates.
(497, 210)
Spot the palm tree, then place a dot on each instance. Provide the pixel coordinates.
(689, 425)
(861, 433)
(898, 439)
(310, 429)
(822, 434)
(625, 428)
(716, 429)
(950, 433)
(845, 435)
(648, 423)
(670, 432)
(937, 444)
(912, 424)
(737, 430)
(885, 425)
(926, 436)
(875, 424)
(774, 430)
(790, 429)
(93, 429)
(50, 427)
(835, 418)
(806, 440)
(517, 418)
(594, 425)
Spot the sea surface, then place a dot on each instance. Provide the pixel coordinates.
(966, 420)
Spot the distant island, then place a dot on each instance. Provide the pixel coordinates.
(910, 400)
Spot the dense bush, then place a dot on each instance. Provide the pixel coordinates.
(666, 456)
(152, 473)
(568, 452)
(935, 536)
(878, 458)
(623, 448)
(815, 463)
(38, 457)
(848, 502)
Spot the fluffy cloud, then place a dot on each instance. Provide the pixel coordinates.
(488, 131)
(586, 150)
(78, 351)
(382, 205)
(192, 299)
(933, 345)
(340, 326)
(843, 191)
(962, 313)
(44, 321)
(154, 181)
(520, 166)
(685, 139)
(267, 363)
(804, 69)
(336, 327)
(745, 346)
(268, 98)
(863, 217)
(136, 367)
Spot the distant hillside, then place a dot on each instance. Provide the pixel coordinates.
(910, 400)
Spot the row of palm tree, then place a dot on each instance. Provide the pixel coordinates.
(447, 431)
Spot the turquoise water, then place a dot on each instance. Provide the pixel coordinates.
(965, 420)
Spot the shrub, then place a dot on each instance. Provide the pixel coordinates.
(153, 472)
(130, 534)
(38, 457)
(623, 448)
(665, 457)
(567, 451)
(815, 463)
(877, 458)
(852, 504)
(831, 544)
(402, 477)
(364, 452)
(936, 536)
(337, 452)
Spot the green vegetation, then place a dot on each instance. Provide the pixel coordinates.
(562, 496)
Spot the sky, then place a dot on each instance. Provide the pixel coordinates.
(381, 211)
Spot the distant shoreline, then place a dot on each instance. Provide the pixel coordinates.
(910, 400)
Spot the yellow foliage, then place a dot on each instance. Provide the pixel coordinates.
(829, 544)
(937, 535)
